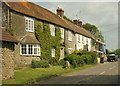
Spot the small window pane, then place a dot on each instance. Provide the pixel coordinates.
(23, 49)
(30, 49)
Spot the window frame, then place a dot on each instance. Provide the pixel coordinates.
(69, 35)
(83, 40)
(33, 48)
(52, 29)
(78, 38)
(71, 50)
(62, 33)
(28, 26)
(53, 52)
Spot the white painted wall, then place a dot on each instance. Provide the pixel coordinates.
(80, 45)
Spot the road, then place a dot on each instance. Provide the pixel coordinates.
(105, 73)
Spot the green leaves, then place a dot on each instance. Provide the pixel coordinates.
(94, 30)
(47, 42)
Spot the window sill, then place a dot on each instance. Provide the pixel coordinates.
(70, 40)
(29, 31)
(31, 55)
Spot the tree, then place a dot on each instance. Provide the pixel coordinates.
(117, 51)
(94, 30)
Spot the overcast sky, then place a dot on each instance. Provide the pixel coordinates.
(104, 15)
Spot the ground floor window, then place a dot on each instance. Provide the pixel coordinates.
(30, 49)
(53, 52)
(70, 50)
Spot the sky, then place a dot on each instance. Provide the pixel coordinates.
(104, 15)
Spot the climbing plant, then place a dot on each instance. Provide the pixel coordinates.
(47, 42)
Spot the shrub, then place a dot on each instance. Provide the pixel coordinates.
(87, 59)
(39, 64)
(80, 61)
(60, 63)
(72, 59)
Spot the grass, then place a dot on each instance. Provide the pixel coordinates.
(31, 75)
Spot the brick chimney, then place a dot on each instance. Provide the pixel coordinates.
(77, 22)
(80, 23)
(60, 12)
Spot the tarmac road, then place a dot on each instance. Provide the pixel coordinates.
(105, 73)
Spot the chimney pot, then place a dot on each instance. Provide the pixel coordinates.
(77, 22)
(60, 12)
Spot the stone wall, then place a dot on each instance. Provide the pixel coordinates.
(69, 44)
(7, 60)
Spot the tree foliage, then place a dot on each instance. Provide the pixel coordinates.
(117, 51)
(94, 30)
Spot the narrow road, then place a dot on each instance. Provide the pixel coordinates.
(106, 73)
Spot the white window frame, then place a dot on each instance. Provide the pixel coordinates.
(53, 52)
(78, 38)
(83, 41)
(86, 40)
(70, 50)
(52, 29)
(28, 26)
(33, 48)
(69, 35)
(62, 33)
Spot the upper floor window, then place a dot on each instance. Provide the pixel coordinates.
(62, 33)
(30, 49)
(29, 24)
(86, 41)
(69, 35)
(52, 29)
(78, 38)
(53, 52)
(83, 39)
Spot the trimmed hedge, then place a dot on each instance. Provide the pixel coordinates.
(39, 64)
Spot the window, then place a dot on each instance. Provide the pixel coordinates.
(69, 35)
(52, 29)
(70, 50)
(29, 49)
(86, 41)
(82, 39)
(78, 38)
(53, 52)
(29, 24)
(62, 33)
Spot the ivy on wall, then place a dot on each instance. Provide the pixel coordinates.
(47, 42)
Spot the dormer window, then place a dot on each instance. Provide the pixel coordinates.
(29, 23)
(52, 29)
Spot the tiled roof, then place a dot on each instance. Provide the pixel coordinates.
(36, 11)
(78, 29)
(29, 40)
(5, 36)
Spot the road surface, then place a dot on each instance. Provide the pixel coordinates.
(105, 73)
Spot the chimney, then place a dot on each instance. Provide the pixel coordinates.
(60, 12)
(80, 23)
(77, 22)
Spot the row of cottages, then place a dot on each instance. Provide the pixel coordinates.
(20, 19)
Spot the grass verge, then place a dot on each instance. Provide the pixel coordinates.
(33, 75)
